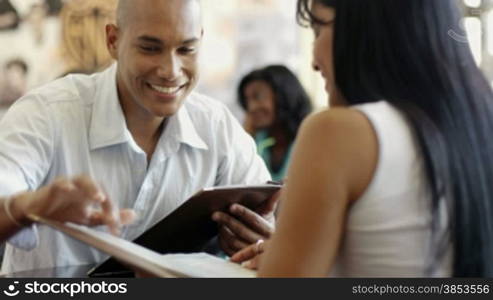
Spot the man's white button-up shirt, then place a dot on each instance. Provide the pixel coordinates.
(75, 125)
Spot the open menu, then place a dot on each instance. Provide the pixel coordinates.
(149, 262)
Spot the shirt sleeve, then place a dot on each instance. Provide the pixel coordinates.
(26, 151)
(241, 164)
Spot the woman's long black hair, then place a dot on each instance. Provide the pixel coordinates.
(405, 52)
(291, 100)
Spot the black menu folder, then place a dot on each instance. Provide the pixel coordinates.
(189, 228)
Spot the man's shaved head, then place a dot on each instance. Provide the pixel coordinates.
(125, 7)
(121, 12)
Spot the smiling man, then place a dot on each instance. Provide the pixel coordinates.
(138, 129)
(156, 45)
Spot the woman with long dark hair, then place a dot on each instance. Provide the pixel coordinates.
(275, 103)
(397, 178)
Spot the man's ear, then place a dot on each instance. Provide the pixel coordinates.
(112, 36)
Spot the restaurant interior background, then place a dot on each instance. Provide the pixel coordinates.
(45, 39)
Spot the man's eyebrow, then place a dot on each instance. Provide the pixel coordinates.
(146, 38)
(151, 39)
(191, 41)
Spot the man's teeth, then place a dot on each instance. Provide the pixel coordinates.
(165, 90)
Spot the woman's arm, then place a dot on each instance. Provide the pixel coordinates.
(333, 163)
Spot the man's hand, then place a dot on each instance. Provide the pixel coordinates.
(242, 226)
(77, 200)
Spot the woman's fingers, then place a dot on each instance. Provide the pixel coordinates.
(252, 264)
(250, 256)
(245, 254)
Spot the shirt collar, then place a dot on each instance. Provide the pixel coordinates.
(186, 132)
(181, 129)
(108, 125)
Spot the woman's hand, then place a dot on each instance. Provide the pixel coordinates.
(250, 256)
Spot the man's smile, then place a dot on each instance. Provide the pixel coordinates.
(169, 90)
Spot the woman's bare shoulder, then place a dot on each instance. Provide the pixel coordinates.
(349, 143)
(349, 127)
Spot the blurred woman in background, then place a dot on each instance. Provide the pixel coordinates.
(275, 104)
